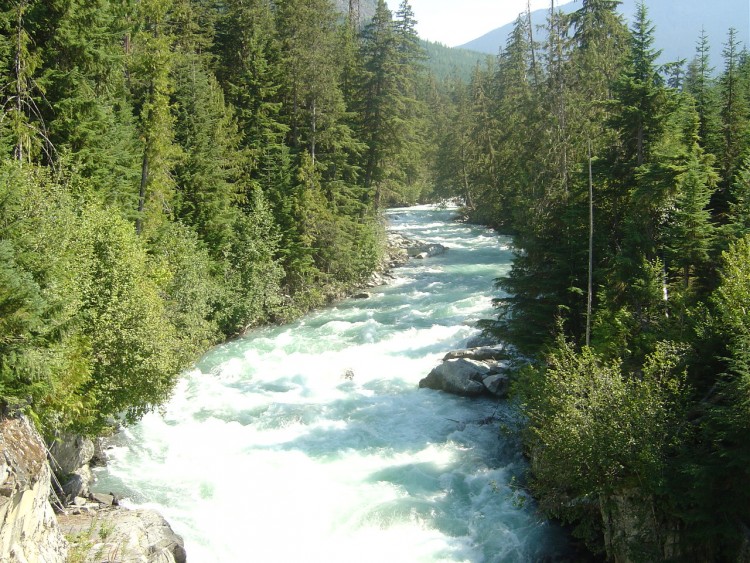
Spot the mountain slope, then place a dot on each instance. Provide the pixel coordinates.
(678, 26)
(444, 61)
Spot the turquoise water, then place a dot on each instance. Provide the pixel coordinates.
(270, 452)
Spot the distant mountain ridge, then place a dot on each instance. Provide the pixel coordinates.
(678, 26)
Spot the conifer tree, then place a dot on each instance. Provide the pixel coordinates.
(89, 112)
(24, 128)
(701, 84)
(735, 114)
(150, 67)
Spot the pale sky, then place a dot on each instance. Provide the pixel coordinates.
(455, 22)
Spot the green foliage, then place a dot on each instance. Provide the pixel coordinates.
(391, 114)
(596, 432)
(251, 279)
(450, 63)
(619, 423)
(189, 289)
(125, 320)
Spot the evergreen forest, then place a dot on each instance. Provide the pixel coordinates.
(626, 185)
(174, 172)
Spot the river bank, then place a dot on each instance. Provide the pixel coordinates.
(321, 427)
(93, 522)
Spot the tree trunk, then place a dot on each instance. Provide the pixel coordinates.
(591, 252)
(19, 151)
(531, 43)
(142, 193)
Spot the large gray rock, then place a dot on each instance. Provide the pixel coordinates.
(78, 483)
(70, 455)
(70, 452)
(28, 528)
(498, 384)
(126, 536)
(460, 376)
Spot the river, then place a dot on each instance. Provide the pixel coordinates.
(311, 442)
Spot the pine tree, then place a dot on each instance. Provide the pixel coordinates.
(735, 115)
(206, 176)
(313, 105)
(689, 230)
(25, 130)
(150, 67)
(89, 113)
(700, 83)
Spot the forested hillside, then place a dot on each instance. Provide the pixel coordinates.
(627, 187)
(174, 171)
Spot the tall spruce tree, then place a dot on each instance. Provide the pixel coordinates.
(150, 66)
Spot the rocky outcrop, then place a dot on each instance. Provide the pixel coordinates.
(99, 528)
(28, 528)
(470, 373)
(70, 456)
(634, 530)
(118, 534)
(398, 251)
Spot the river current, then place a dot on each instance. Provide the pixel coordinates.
(311, 442)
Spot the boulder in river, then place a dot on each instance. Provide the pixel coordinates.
(460, 376)
(498, 384)
(423, 250)
(462, 372)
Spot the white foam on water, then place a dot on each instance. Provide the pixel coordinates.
(311, 442)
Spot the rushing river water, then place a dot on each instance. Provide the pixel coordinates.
(312, 443)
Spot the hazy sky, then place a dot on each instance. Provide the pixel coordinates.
(455, 22)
